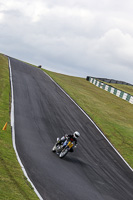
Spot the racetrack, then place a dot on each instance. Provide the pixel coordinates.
(43, 113)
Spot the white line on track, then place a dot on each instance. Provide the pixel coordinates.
(13, 134)
(92, 122)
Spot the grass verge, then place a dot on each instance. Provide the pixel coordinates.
(112, 115)
(13, 184)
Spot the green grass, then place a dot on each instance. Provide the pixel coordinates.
(13, 184)
(112, 115)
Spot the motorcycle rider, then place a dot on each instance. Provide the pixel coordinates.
(72, 138)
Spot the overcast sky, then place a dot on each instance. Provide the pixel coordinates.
(74, 37)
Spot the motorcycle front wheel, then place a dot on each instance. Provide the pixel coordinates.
(63, 153)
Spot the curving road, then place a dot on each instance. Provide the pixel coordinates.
(42, 113)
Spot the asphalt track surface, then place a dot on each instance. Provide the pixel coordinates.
(94, 171)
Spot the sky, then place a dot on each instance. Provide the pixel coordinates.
(74, 37)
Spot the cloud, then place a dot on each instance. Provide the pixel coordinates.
(75, 37)
(116, 47)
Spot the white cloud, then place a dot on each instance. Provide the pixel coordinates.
(75, 37)
(116, 47)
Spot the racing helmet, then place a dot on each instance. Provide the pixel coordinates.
(76, 134)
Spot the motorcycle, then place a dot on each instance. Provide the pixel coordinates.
(62, 149)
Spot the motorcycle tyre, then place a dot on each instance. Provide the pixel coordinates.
(63, 154)
(54, 148)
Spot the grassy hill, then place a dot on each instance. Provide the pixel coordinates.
(112, 115)
(13, 184)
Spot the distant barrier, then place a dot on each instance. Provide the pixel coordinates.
(119, 93)
(110, 80)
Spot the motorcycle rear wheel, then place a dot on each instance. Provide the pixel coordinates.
(54, 148)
